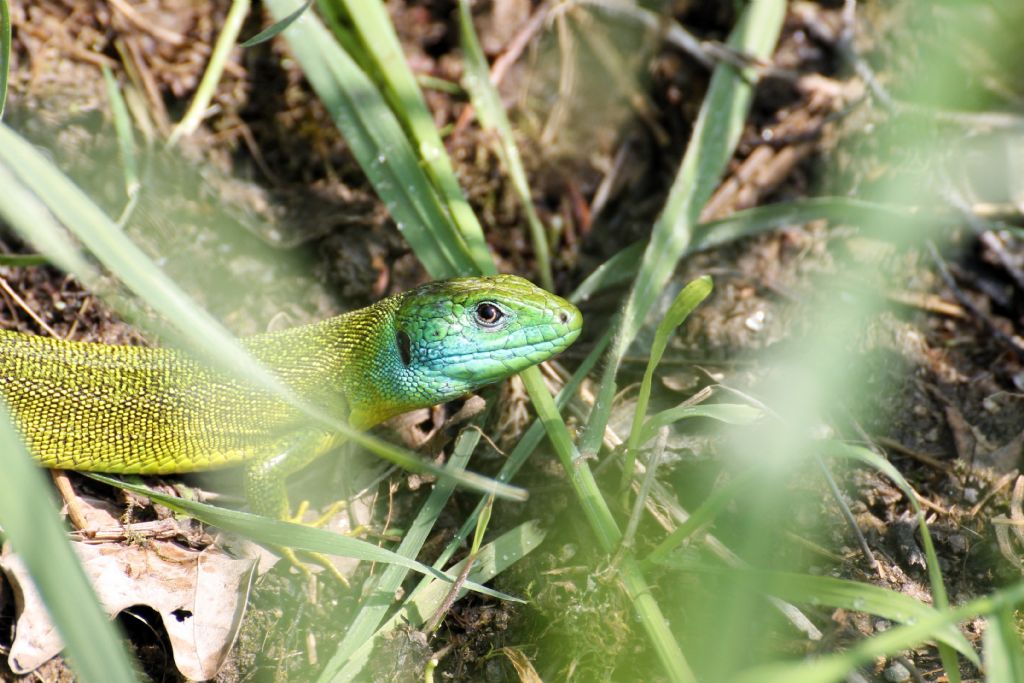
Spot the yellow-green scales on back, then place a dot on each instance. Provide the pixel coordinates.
(90, 406)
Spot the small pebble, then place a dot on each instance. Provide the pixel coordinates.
(1018, 380)
(971, 495)
(896, 673)
(755, 323)
(882, 625)
(957, 542)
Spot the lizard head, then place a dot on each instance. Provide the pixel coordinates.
(455, 336)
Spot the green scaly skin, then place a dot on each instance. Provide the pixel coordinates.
(95, 407)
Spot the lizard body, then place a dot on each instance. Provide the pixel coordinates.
(96, 407)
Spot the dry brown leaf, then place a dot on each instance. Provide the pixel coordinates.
(200, 596)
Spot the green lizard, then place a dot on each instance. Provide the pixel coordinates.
(95, 407)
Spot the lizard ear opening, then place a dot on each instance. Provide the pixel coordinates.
(404, 347)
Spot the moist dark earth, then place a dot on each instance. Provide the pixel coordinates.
(268, 191)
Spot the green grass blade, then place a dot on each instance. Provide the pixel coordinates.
(601, 521)
(854, 596)
(380, 43)
(833, 668)
(378, 602)
(268, 33)
(938, 587)
(729, 413)
(5, 53)
(526, 445)
(25, 213)
(1004, 659)
(23, 260)
(125, 137)
(274, 532)
(492, 559)
(214, 69)
(715, 134)
(685, 302)
(492, 116)
(875, 461)
(30, 522)
(379, 144)
(872, 218)
(617, 270)
(706, 513)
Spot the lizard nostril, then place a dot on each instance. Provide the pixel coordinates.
(563, 317)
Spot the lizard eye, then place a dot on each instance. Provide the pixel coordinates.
(488, 315)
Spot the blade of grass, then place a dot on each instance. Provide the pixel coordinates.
(214, 70)
(706, 513)
(730, 413)
(853, 596)
(685, 302)
(28, 515)
(871, 459)
(482, 521)
(268, 33)
(601, 521)
(274, 532)
(193, 327)
(872, 218)
(715, 134)
(377, 35)
(1004, 660)
(492, 117)
(493, 558)
(5, 53)
(378, 143)
(379, 601)
(125, 137)
(526, 445)
(21, 210)
(835, 667)
(23, 260)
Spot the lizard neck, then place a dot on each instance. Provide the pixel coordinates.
(351, 360)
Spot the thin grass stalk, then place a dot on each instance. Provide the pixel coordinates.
(493, 118)
(715, 135)
(214, 70)
(379, 144)
(5, 53)
(379, 601)
(939, 596)
(492, 559)
(30, 523)
(834, 667)
(377, 35)
(602, 523)
(125, 136)
(275, 532)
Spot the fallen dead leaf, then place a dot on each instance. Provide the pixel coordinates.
(200, 596)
